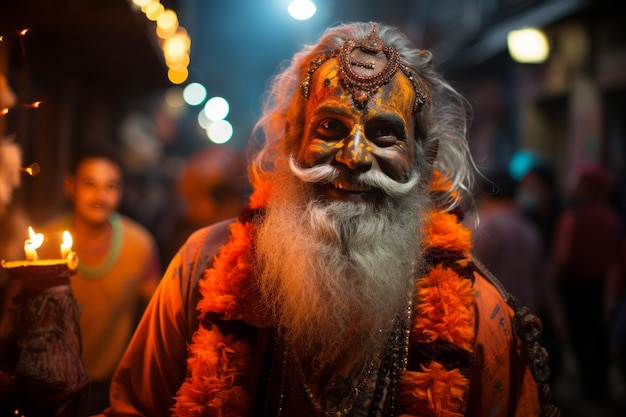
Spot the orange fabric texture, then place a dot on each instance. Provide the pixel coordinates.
(444, 312)
(450, 308)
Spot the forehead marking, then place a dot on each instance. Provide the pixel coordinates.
(357, 70)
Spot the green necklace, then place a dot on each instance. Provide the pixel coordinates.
(112, 254)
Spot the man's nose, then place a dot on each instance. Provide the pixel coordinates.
(356, 150)
(101, 192)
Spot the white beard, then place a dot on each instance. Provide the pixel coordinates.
(335, 274)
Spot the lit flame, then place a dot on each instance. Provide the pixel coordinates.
(66, 246)
(31, 244)
(67, 238)
(33, 105)
(36, 239)
(24, 31)
(32, 170)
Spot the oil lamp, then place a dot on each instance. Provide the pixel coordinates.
(48, 366)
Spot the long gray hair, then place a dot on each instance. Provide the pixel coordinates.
(441, 126)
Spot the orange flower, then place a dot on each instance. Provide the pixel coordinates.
(434, 392)
(223, 285)
(443, 231)
(261, 193)
(444, 309)
(439, 183)
(215, 361)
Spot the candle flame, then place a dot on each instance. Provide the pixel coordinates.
(36, 239)
(66, 246)
(24, 31)
(4, 111)
(32, 170)
(67, 239)
(33, 105)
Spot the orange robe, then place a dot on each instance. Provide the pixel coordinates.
(154, 365)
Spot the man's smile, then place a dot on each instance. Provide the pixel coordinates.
(350, 191)
(350, 186)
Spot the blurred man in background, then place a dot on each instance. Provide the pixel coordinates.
(118, 263)
(588, 243)
(212, 186)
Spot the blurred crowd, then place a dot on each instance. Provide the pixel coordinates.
(560, 251)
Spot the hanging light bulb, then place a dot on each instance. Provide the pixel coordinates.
(528, 45)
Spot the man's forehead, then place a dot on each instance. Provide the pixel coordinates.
(97, 167)
(327, 85)
(96, 160)
(364, 67)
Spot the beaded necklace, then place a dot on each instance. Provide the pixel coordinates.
(393, 360)
(341, 412)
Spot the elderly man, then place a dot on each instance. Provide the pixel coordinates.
(347, 287)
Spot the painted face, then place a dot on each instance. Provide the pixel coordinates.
(96, 190)
(380, 136)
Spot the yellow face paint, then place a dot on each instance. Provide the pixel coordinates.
(378, 136)
(363, 67)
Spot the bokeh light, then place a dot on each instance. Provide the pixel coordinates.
(154, 10)
(175, 46)
(174, 97)
(194, 94)
(142, 3)
(301, 9)
(528, 46)
(178, 75)
(220, 131)
(521, 162)
(203, 121)
(167, 24)
(216, 108)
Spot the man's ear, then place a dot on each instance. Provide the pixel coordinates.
(68, 186)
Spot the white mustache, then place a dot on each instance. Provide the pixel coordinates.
(327, 174)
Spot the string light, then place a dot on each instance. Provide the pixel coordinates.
(173, 39)
(142, 3)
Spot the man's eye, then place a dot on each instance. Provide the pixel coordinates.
(384, 132)
(331, 128)
(383, 136)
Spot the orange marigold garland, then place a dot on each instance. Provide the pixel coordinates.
(223, 284)
(216, 362)
(444, 314)
(435, 391)
(444, 232)
(443, 308)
